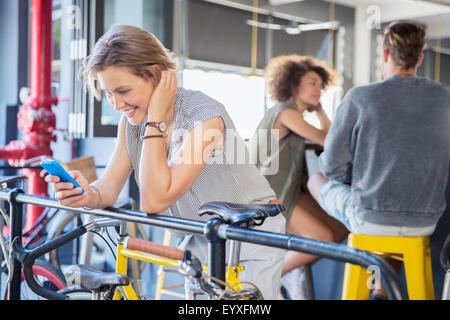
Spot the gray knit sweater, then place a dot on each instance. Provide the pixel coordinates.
(391, 140)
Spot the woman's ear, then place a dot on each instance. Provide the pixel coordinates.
(385, 55)
(158, 72)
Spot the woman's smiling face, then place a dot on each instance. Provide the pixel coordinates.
(127, 92)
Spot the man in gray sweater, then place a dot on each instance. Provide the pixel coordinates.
(386, 157)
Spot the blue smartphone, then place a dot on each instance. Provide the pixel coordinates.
(55, 169)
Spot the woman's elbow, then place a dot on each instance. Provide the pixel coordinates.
(152, 205)
(319, 138)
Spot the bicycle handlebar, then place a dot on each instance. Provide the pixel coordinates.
(27, 258)
(27, 261)
(153, 248)
(328, 250)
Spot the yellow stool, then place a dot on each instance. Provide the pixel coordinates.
(416, 256)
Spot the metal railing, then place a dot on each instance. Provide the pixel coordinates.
(216, 233)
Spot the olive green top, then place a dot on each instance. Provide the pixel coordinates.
(288, 176)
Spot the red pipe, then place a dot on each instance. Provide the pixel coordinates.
(41, 54)
(35, 118)
(40, 98)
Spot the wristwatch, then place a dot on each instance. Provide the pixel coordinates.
(160, 125)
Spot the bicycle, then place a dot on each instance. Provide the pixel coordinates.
(117, 285)
(42, 270)
(49, 223)
(54, 222)
(215, 231)
(48, 271)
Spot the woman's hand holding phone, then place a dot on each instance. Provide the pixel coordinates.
(69, 196)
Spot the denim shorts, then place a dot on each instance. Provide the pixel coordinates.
(335, 199)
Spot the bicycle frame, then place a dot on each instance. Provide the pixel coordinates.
(123, 254)
(215, 232)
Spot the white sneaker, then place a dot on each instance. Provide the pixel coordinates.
(295, 284)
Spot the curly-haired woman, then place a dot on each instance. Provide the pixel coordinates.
(296, 82)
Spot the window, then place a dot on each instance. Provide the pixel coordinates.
(242, 96)
(56, 36)
(149, 15)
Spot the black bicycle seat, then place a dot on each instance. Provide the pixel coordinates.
(90, 278)
(242, 214)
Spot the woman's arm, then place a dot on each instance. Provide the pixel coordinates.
(162, 184)
(116, 173)
(293, 120)
(104, 191)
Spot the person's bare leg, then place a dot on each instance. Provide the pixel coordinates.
(309, 220)
(305, 224)
(340, 232)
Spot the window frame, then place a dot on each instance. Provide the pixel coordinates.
(96, 30)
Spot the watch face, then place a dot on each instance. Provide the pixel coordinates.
(162, 126)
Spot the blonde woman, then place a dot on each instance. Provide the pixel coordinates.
(174, 140)
(296, 83)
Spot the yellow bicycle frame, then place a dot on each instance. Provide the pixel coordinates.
(231, 274)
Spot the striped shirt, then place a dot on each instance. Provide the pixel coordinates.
(227, 175)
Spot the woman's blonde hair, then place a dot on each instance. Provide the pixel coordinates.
(283, 74)
(128, 47)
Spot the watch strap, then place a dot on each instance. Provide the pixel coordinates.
(152, 124)
(154, 136)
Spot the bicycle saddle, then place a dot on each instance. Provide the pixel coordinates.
(90, 278)
(242, 214)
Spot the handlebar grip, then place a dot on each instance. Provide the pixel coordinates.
(57, 242)
(153, 248)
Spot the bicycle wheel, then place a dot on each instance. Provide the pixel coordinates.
(46, 275)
